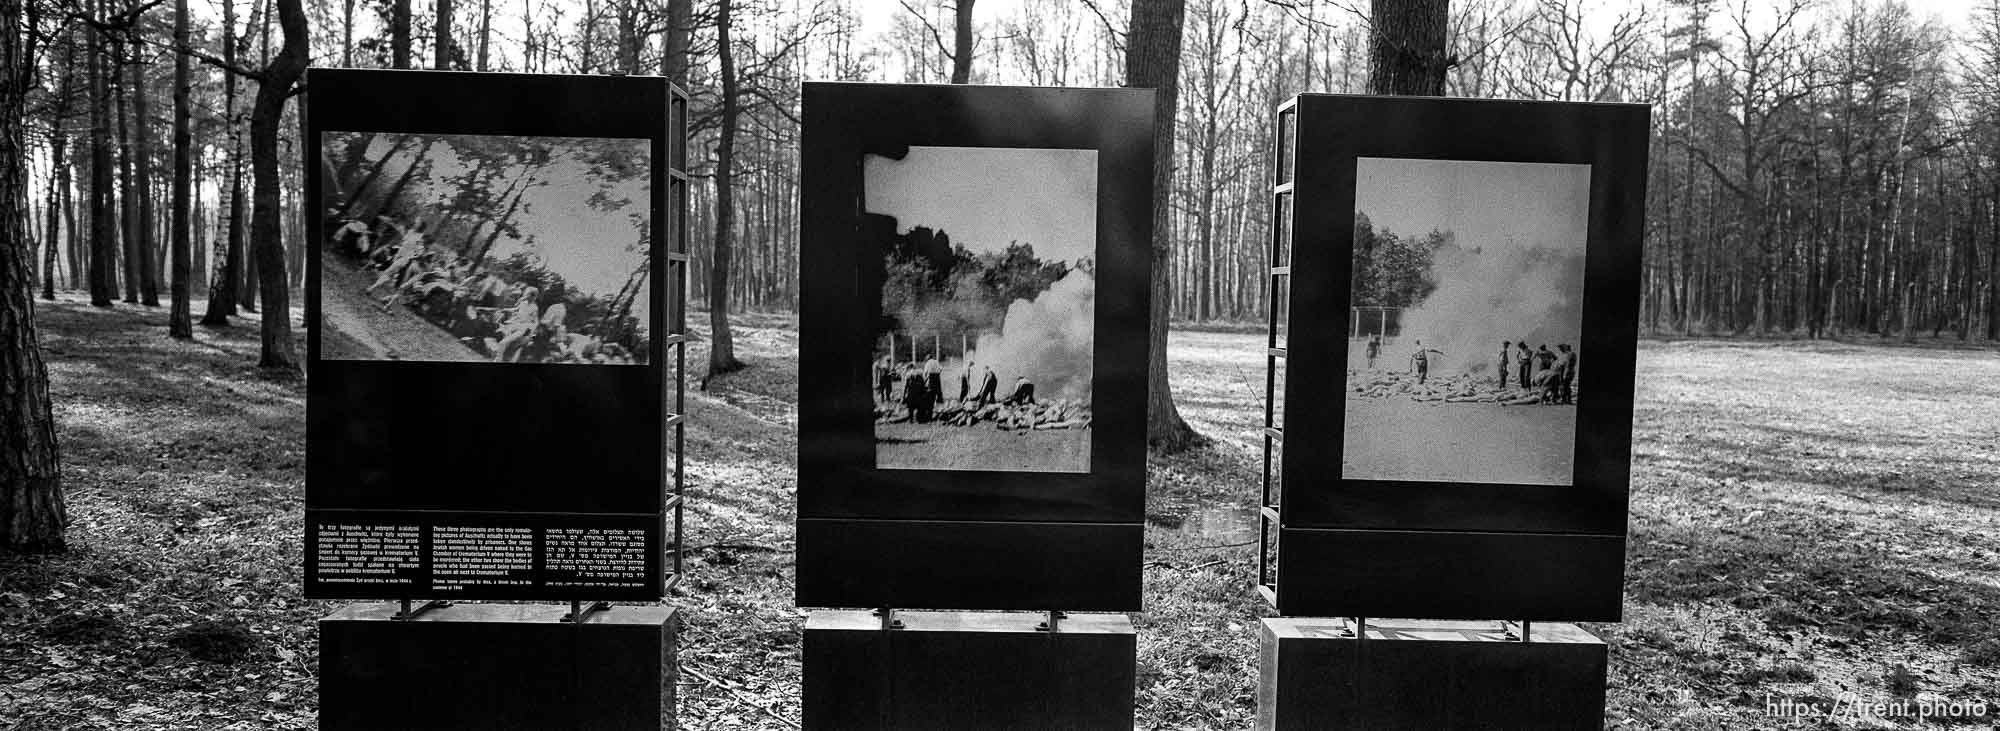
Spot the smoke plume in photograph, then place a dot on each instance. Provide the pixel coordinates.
(485, 248)
(983, 356)
(1464, 321)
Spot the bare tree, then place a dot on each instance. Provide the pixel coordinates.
(441, 51)
(399, 34)
(103, 227)
(721, 346)
(32, 513)
(179, 319)
(273, 89)
(227, 281)
(1152, 61)
(961, 54)
(142, 180)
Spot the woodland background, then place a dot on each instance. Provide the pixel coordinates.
(1818, 168)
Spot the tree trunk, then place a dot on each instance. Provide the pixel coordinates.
(103, 233)
(1406, 50)
(961, 54)
(485, 34)
(58, 184)
(224, 287)
(674, 58)
(180, 319)
(279, 75)
(441, 55)
(128, 203)
(629, 42)
(142, 181)
(347, 34)
(1152, 61)
(721, 348)
(73, 245)
(32, 514)
(399, 34)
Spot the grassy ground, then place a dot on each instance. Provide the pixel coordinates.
(1809, 519)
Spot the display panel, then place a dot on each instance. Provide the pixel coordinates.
(973, 344)
(486, 397)
(1420, 236)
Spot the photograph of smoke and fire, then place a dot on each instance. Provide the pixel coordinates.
(469, 248)
(983, 356)
(1466, 307)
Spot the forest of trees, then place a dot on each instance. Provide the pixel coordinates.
(1818, 167)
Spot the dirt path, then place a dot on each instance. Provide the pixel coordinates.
(355, 327)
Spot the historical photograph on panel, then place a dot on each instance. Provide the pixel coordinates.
(983, 355)
(1467, 303)
(472, 248)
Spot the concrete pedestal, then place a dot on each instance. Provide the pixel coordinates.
(969, 670)
(497, 666)
(1417, 674)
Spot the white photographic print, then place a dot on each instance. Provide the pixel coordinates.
(486, 248)
(983, 358)
(1464, 321)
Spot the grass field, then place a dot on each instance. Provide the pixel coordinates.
(1809, 520)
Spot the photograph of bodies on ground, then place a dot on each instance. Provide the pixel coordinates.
(485, 248)
(1466, 307)
(983, 356)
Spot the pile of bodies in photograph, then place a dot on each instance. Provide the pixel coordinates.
(1521, 376)
(503, 319)
(916, 393)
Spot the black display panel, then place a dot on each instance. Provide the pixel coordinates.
(1461, 276)
(973, 343)
(489, 336)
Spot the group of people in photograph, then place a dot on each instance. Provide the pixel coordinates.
(505, 320)
(917, 390)
(1547, 376)
(1550, 374)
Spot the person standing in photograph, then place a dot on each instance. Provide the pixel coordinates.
(1546, 380)
(934, 380)
(885, 380)
(1524, 363)
(1420, 361)
(1566, 370)
(1374, 349)
(1503, 362)
(965, 382)
(989, 384)
(916, 396)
